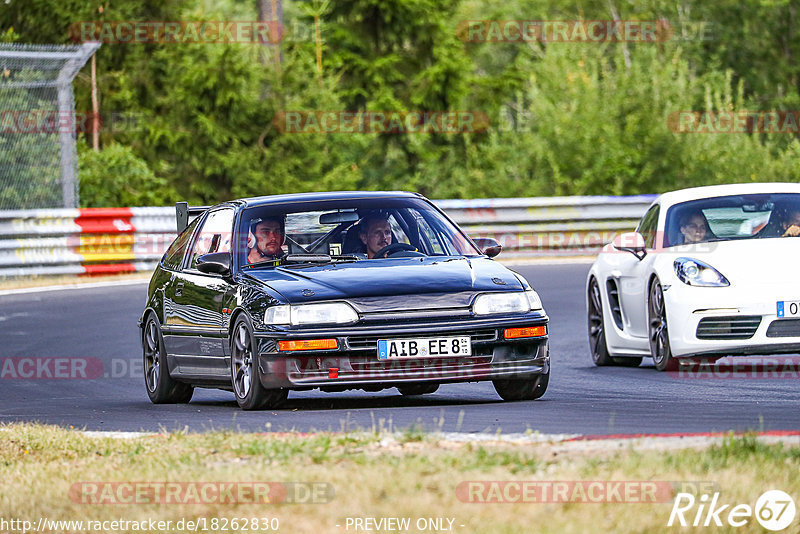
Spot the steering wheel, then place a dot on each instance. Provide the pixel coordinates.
(388, 250)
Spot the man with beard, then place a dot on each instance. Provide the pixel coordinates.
(375, 232)
(268, 236)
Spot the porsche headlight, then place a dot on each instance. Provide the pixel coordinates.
(516, 302)
(308, 314)
(697, 273)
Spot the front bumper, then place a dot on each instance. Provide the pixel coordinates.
(731, 320)
(355, 364)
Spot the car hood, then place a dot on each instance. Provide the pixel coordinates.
(387, 277)
(764, 261)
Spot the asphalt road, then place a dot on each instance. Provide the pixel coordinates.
(99, 324)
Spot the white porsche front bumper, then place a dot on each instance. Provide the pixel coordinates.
(731, 320)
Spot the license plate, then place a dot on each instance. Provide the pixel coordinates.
(424, 347)
(789, 308)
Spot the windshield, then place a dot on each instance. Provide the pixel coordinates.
(347, 230)
(733, 218)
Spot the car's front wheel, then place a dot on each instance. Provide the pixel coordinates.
(522, 389)
(161, 388)
(658, 330)
(245, 373)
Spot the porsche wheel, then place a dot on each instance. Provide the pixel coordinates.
(245, 373)
(522, 389)
(417, 389)
(658, 330)
(161, 388)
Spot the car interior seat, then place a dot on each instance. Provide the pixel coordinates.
(351, 242)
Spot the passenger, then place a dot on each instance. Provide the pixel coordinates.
(266, 239)
(694, 227)
(791, 223)
(375, 232)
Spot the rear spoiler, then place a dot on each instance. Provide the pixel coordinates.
(184, 212)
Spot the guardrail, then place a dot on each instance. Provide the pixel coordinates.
(119, 240)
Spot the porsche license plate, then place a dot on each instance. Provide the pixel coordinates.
(788, 308)
(424, 347)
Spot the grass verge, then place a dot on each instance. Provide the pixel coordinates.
(44, 470)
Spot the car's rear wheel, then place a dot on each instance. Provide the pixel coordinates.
(161, 388)
(522, 389)
(245, 373)
(417, 389)
(658, 330)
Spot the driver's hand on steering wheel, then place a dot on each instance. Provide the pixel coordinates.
(792, 231)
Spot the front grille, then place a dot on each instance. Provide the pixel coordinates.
(371, 342)
(784, 328)
(736, 327)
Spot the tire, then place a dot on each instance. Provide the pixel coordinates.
(658, 330)
(597, 331)
(245, 374)
(407, 390)
(522, 389)
(160, 386)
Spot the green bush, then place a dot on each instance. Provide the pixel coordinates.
(115, 176)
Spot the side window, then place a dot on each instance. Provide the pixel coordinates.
(215, 235)
(173, 257)
(648, 226)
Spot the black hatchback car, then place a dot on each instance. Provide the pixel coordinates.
(336, 291)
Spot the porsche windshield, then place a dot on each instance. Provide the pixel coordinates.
(733, 217)
(347, 230)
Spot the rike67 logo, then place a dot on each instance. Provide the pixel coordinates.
(774, 510)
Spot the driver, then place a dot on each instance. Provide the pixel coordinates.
(375, 233)
(268, 236)
(694, 227)
(791, 223)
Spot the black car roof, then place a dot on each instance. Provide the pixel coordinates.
(320, 196)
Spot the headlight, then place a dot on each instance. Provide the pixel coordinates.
(517, 302)
(305, 314)
(696, 273)
(533, 299)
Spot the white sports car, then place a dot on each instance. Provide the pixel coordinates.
(709, 272)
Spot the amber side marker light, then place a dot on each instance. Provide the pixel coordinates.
(308, 344)
(532, 331)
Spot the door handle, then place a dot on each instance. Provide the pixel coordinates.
(179, 289)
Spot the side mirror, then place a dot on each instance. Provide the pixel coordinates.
(488, 246)
(215, 263)
(632, 242)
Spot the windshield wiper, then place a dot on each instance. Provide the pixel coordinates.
(300, 259)
(316, 258)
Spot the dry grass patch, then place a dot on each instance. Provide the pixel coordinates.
(371, 475)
